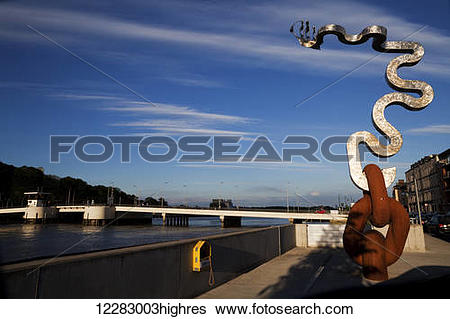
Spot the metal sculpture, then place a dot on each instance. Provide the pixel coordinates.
(371, 249)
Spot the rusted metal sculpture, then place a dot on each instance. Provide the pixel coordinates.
(371, 249)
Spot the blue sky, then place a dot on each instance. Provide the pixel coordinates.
(212, 67)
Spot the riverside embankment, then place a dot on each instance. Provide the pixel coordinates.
(164, 270)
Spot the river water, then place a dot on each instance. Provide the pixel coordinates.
(19, 242)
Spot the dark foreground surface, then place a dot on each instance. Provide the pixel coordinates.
(329, 273)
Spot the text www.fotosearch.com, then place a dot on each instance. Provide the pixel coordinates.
(181, 309)
(265, 309)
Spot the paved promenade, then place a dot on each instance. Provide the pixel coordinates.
(307, 272)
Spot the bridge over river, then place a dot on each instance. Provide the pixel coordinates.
(99, 215)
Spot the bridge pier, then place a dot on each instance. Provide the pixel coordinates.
(175, 220)
(38, 215)
(98, 215)
(230, 221)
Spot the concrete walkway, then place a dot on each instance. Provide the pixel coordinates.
(306, 272)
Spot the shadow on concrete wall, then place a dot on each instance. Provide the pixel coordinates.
(244, 259)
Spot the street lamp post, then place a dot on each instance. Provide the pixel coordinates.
(185, 195)
(237, 192)
(287, 197)
(417, 200)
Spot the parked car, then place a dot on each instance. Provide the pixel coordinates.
(425, 224)
(439, 225)
(425, 219)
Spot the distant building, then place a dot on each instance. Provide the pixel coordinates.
(431, 174)
(221, 203)
(400, 192)
(37, 199)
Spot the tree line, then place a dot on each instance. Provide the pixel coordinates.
(14, 181)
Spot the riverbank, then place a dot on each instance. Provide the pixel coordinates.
(21, 242)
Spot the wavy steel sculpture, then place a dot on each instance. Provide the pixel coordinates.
(415, 52)
(370, 249)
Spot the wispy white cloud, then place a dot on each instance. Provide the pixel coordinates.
(195, 82)
(165, 118)
(240, 39)
(431, 129)
(176, 110)
(142, 108)
(176, 129)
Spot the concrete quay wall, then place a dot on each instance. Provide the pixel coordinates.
(415, 241)
(162, 270)
(330, 235)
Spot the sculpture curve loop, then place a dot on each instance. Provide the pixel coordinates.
(414, 53)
